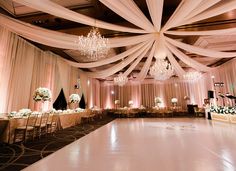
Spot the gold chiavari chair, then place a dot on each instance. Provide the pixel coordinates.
(52, 123)
(27, 130)
(41, 127)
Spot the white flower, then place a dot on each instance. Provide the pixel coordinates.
(131, 102)
(35, 113)
(42, 94)
(74, 98)
(79, 110)
(174, 100)
(117, 101)
(12, 114)
(24, 112)
(59, 111)
(158, 100)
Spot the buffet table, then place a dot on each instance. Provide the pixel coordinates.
(223, 117)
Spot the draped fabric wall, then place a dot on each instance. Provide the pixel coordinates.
(90, 88)
(226, 73)
(23, 68)
(15, 79)
(144, 93)
(93, 93)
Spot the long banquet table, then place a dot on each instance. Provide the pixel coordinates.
(70, 119)
(8, 125)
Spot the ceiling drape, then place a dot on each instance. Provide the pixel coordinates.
(186, 13)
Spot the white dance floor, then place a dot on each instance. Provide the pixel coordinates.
(149, 144)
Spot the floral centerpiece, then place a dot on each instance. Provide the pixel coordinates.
(59, 111)
(117, 102)
(131, 103)
(68, 111)
(42, 94)
(223, 110)
(174, 101)
(35, 113)
(79, 110)
(142, 107)
(12, 114)
(230, 110)
(74, 98)
(157, 100)
(52, 110)
(24, 112)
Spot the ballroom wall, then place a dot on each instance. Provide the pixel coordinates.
(24, 67)
(225, 73)
(144, 93)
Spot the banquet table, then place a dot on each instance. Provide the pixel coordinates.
(3, 126)
(8, 125)
(67, 120)
(11, 124)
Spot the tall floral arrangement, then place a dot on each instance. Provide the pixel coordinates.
(42, 94)
(74, 98)
(174, 101)
(157, 100)
(131, 102)
(117, 102)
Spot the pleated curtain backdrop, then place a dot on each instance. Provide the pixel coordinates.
(145, 92)
(23, 68)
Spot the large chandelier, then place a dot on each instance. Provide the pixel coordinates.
(94, 46)
(120, 80)
(192, 75)
(161, 70)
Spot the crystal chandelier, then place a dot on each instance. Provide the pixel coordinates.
(192, 75)
(120, 80)
(161, 70)
(94, 46)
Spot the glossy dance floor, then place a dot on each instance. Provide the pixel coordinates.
(173, 144)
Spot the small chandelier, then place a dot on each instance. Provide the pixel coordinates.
(192, 75)
(120, 80)
(161, 70)
(93, 45)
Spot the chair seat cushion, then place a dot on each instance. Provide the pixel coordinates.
(38, 125)
(24, 127)
(43, 125)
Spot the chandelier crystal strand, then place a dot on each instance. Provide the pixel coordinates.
(94, 46)
(161, 70)
(120, 80)
(192, 75)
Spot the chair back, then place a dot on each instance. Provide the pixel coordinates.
(55, 118)
(195, 109)
(31, 121)
(50, 116)
(44, 119)
(54, 123)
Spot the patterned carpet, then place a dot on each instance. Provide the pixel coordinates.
(18, 156)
